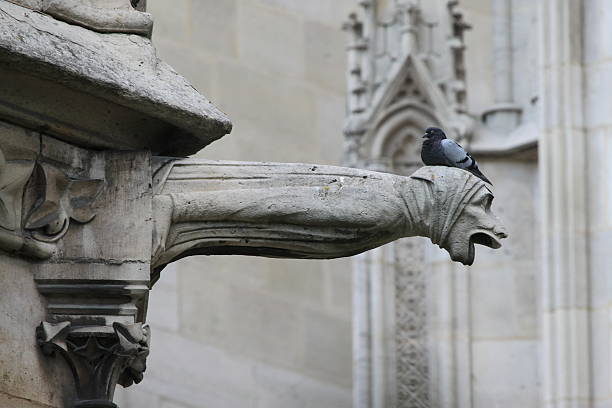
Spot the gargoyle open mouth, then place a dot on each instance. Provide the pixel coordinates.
(483, 238)
(486, 239)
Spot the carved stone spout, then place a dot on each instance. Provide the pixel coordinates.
(309, 211)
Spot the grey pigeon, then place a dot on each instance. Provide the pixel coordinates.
(437, 150)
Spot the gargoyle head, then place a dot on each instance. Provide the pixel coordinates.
(457, 212)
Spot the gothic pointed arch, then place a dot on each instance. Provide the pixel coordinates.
(395, 93)
(396, 133)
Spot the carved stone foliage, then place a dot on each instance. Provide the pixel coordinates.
(37, 202)
(99, 357)
(61, 200)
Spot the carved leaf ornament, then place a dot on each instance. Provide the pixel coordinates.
(64, 199)
(31, 226)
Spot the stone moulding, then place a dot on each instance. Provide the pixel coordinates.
(318, 212)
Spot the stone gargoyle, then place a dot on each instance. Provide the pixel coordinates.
(311, 211)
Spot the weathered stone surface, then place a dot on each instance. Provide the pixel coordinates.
(127, 177)
(309, 211)
(114, 16)
(114, 80)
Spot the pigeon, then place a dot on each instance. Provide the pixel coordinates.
(437, 150)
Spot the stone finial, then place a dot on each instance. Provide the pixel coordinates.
(317, 212)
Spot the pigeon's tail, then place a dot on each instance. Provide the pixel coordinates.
(476, 171)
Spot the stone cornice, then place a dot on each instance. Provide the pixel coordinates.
(115, 92)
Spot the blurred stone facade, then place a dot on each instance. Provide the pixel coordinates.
(522, 89)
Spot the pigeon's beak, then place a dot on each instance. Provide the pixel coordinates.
(425, 135)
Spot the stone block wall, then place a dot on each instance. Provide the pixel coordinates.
(243, 331)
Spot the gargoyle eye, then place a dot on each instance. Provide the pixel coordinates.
(488, 200)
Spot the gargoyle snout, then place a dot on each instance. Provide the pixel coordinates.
(500, 231)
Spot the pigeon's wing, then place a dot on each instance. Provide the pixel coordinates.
(455, 154)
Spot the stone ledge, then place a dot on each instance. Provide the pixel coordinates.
(100, 70)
